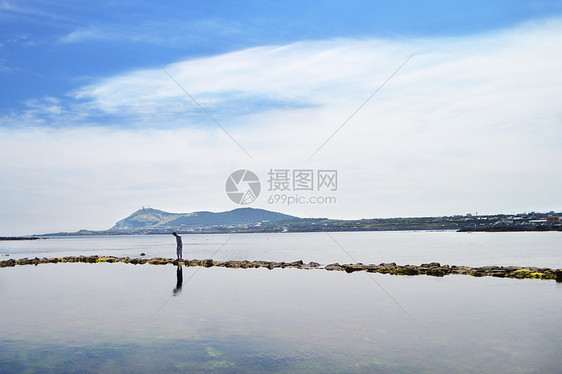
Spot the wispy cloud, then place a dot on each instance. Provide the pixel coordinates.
(294, 76)
(32, 11)
(174, 32)
(452, 76)
(5, 68)
(151, 24)
(91, 33)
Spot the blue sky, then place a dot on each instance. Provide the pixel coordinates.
(50, 47)
(89, 122)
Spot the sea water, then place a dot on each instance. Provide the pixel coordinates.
(541, 249)
(144, 318)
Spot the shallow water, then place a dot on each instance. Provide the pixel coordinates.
(541, 249)
(125, 318)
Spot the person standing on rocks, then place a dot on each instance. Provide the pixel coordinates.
(179, 245)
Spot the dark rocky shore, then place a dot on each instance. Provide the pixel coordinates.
(432, 269)
(19, 238)
(513, 228)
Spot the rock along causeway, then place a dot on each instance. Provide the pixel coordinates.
(432, 269)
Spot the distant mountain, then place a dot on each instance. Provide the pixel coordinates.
(249, 220)
(148, 219)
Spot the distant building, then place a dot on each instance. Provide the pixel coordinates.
(553, 219)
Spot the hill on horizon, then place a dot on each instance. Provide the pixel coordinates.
(155, 219)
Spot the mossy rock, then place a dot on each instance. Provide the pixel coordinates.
(522, 273)
(159, 261)
(332, 267)
(8, 263)
(435, 272)
(408, 271)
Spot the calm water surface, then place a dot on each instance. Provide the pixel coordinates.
(403, 247)
(126, 318)
(122, 318)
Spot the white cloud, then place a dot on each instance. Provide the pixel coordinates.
(90, 33)
(469, 124)
(170, 33)
(307, 73)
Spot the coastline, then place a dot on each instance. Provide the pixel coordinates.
(9, 238)
(430, 269)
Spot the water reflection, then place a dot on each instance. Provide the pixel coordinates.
(179, 281)
(272, 321)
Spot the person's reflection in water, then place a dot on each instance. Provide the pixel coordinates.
(179, 276)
